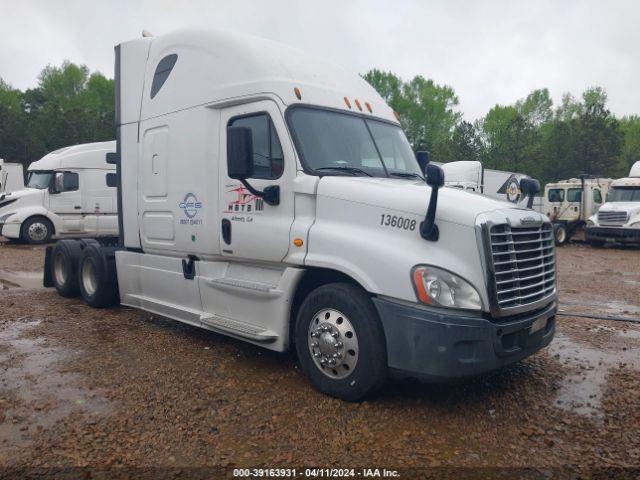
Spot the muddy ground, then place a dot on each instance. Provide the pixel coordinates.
(122, 388)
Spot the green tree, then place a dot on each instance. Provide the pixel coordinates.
(12, 123)
(466, 143)
(630, 128)
(427, 110)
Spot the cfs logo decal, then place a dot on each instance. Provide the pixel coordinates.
(241, 200)
(190, 206)
(511, 188)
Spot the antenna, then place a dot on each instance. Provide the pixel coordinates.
(146, 34)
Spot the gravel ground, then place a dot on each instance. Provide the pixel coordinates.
(122, 388)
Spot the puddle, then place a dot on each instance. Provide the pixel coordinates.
(607, 307)
(43, 394)
(582, 392)
(10, 279)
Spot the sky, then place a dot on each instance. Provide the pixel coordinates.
(489, 52)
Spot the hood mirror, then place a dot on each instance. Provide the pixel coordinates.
(435, 179)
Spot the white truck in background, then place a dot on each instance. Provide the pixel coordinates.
(66, 196)
(11, 177)
(470, 175)
(570, 203)
(618, 220)
(273, 197)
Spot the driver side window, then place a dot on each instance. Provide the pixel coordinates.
(66, 182)
(268, 159)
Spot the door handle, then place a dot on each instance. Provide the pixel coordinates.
(77, 207)
(226, 231)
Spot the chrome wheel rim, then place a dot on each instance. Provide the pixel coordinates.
(89, 280)
(333, 343)
(560, 235)
(59, 272)
(38, 231)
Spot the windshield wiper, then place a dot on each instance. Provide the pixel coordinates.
(351, 170)
(406, 175)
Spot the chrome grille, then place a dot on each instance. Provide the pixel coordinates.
(523, 261)
(613, 218)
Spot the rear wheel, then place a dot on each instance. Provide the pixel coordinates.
(561, 234)
(340, 342)
(64, 267)
(36, 230)
(97, 276)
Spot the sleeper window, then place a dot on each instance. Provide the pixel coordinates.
(268, 159)
(162, 73)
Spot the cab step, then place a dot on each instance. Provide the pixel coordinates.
(240, 329)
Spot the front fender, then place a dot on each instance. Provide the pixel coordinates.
(354, 238)
(12, 224)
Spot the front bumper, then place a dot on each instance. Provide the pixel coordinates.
(613, 234)
(431, 345)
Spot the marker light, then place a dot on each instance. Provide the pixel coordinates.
(296, 90)
(440, 288)
(346, 100)
(358, 104)
(298, 242)
(368, 107)
(397, 115)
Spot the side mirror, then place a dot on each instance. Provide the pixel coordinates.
(530, 188)
(57, 185)
(240, 163)
(423, 160)
(435, 176)
(435, 179)
(239, 153)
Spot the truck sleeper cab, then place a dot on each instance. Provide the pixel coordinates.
(274, 198)
(66, 196)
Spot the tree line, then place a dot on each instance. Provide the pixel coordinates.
(71, 105)
(533, 136)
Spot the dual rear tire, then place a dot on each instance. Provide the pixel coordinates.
(85, 268)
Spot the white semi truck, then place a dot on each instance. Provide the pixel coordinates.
(471, 175)
(570, 203)
(618, 220)
(273, 197)
(66, 196)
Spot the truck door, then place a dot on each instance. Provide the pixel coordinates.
(65, 200)
(572, 211)
(250, 228)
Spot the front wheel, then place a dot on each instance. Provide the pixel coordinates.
(36, 230)
(561, 234)
(340, 342)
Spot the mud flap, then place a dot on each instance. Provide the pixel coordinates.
(47, 281)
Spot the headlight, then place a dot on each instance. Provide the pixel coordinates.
(635, 225)
(440, 288)
(590, 223)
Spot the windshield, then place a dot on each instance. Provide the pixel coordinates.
(39, 180)
(624, 194)
(338, 143)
